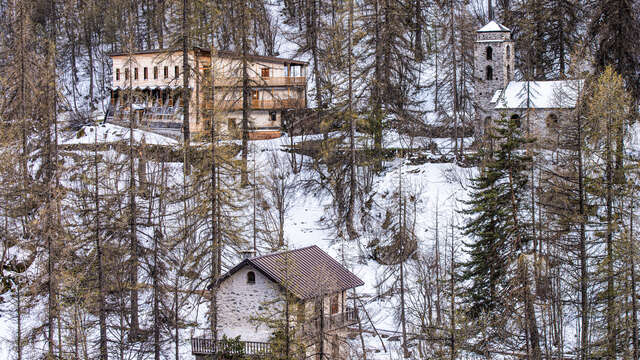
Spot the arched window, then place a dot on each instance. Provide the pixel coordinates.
(552, 120)
(516, 119)
(508, 52)
(489, 53)
(251, 277)
(489, 72)
(487, 122)
(508, 72)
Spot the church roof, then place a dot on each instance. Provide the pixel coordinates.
(560, 94)
(307, 272)
(494, 26)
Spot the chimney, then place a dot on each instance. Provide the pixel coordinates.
(247, 254)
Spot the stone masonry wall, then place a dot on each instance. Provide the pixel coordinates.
(502, 63)
(239, 304)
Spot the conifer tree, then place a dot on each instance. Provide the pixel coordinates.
(495, 209)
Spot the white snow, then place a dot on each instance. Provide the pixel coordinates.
(110, 133)
(560, 94)
(493, 26)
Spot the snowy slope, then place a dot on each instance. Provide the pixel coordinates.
(432, 184)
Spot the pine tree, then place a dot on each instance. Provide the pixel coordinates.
(495, 207)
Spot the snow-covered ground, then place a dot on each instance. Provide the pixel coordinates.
(435, 186)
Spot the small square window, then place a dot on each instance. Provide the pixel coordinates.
(145, 73)
(273, 116)
(251, 278)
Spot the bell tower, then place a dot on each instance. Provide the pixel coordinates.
(493, 66)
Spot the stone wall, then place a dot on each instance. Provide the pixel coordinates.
(543, 124)
(502, 63)
(240, 304)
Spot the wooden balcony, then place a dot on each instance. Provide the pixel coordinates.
(330, 322)
(218, 349)
(260, 81)
(276, 104)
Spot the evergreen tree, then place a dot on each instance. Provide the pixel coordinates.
(498, 199)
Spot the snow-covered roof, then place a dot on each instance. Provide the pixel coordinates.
(561, 94)
(494, 26)
(496, 96)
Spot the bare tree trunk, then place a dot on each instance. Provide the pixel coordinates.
(214, 193)
(610, 313)
(246, 105)
(452, 266)
(584, 281)
(186, 92)
(101, 306)
(454, 68)
(632, 265)
(437, 245)
(50, 170)
(352, 132)
(133, 240)
(156, 298)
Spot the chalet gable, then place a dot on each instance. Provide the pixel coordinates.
(307, 272)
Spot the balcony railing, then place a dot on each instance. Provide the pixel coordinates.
(331, 322)
(276, 104)
(153, 117)
(263, 81)
(203, 346)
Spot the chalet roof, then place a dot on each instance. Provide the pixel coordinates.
(220, 53)
(560, 94)
(494, 26)
(307, 272)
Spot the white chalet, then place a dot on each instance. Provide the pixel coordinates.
(255, 291)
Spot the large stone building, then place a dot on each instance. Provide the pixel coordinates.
(252, 296)
(149, 84)
(539, 104)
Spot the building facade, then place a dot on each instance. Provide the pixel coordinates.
(147, 87)
(539, 105)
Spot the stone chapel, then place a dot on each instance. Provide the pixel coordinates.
(540, 104)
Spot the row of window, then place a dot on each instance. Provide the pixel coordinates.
(145, 73)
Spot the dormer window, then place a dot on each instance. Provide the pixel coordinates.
(489, 53)
(251, 278)
(489, 72)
